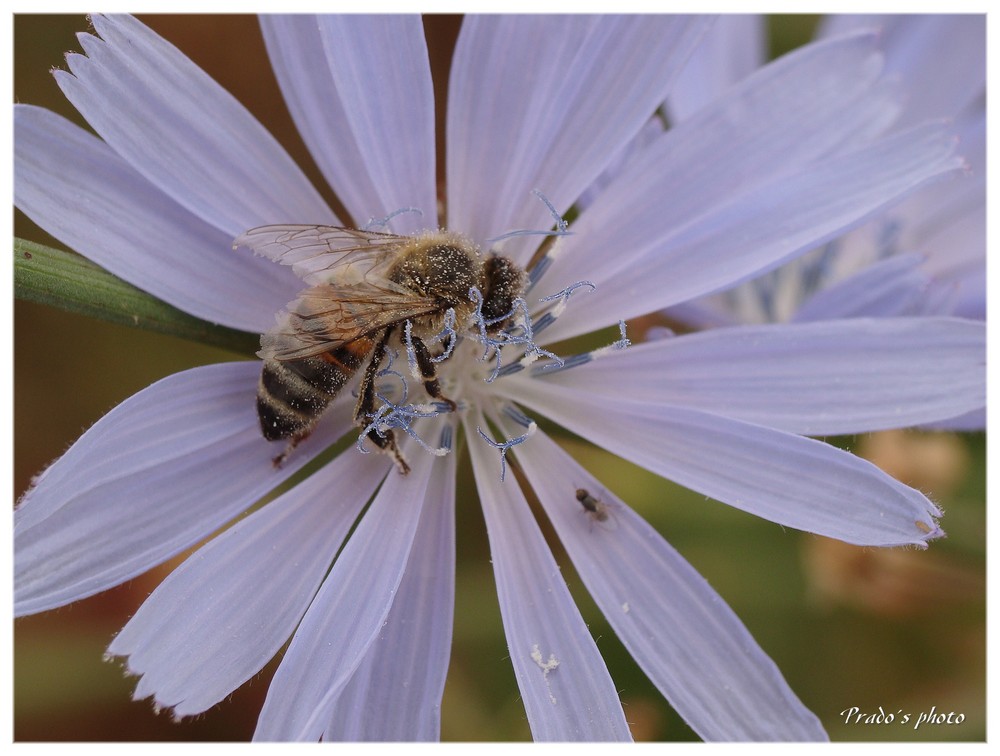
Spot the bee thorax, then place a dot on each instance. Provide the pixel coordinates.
(445, 272)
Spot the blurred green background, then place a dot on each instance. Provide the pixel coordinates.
(900, 629)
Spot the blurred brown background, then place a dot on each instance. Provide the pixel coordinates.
(900, 629)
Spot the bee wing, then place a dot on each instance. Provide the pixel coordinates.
(328, 316)
(320, 254)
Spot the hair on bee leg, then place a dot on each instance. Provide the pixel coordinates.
(428, 373)
(366, 392)
(387, 443)
(294, 441)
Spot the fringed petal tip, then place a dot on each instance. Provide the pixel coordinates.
(924, 531)
(931, 531)
(122, 660)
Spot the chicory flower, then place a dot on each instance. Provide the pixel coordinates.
(181, 169)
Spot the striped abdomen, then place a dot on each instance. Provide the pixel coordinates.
(292, 394)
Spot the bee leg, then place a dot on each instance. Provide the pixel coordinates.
(387, 443)
(292, 443)
(429, 372)
(447, 348)
(366, 406)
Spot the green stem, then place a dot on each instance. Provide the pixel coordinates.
(73, 283)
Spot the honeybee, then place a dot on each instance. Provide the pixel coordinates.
(596, 509)
(364, 287)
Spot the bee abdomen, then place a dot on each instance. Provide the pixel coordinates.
(292, 394)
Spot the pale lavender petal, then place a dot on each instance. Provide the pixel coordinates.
(392, 122)
(923, 49)
(349, 611)
(375, 171)
(231, 606)
(540, 102)
(787, 115)
(688, 641)
(892, 287)
(156, 474)
(933, 212)
(946, 223)
(964, 293)
(395, 695)
(651, 131)
(972, 421)
(732, 49)
(941, 58)
(184, 132)
(957, 248)
(567, 692)
(791, 480)
(79, 190)
(819, 378)
(749, 234)
(699, 314)
(950, 227)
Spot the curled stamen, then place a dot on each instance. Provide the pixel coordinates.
(568, 291)
(411, 355)
(569, 362)
(374, 223)
(582, 359)
(390, 416)
(520, 334)
(375, 425)
(447, 332)
(393, 355)
(523, 335)
(526, 232)
(505, 445)
(398, 414)
(561, 224)
(484, 338)
(623, 342)
(439, 451)
(561, 298)
(543, 263)
(532, 351)
(476, 297)
(560, 230)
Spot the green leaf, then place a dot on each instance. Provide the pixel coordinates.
(73, 283)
